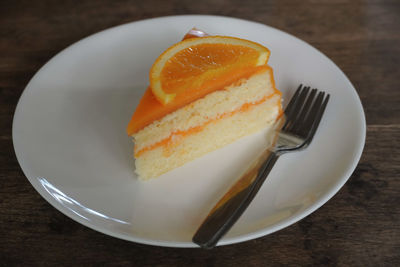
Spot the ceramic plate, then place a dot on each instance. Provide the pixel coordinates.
(69, 137)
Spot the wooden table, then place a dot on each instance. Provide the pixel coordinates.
(359, 226)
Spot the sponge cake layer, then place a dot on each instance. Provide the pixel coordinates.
(214, 135)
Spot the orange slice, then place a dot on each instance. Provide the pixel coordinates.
(192, 66)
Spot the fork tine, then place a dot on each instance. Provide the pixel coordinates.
(301, 117)
(289, 107)
(306, 124)
(317, 120)
(298, 105)
(295, 108)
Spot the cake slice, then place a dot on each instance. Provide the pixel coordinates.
(197, 112)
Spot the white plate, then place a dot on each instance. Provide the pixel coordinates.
(69, 137)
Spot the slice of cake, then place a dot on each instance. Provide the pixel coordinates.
(204, 93)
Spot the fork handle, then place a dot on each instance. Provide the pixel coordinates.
(230, 208)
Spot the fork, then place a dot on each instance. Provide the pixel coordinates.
(303, 115)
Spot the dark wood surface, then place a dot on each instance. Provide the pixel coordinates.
(359, 226)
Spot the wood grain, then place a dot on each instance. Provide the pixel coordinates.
(359, 226)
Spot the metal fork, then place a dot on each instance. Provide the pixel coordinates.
(303, 115)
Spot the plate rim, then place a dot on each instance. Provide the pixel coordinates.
(227, 240)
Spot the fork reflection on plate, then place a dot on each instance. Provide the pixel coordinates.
(303, 115)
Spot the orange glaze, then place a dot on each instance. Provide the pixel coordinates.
(167, 141)
(150, 109)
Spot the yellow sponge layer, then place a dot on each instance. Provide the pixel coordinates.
(214, 135)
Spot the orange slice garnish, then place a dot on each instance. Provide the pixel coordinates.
(192, 66)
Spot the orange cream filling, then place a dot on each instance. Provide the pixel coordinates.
(179, 134)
